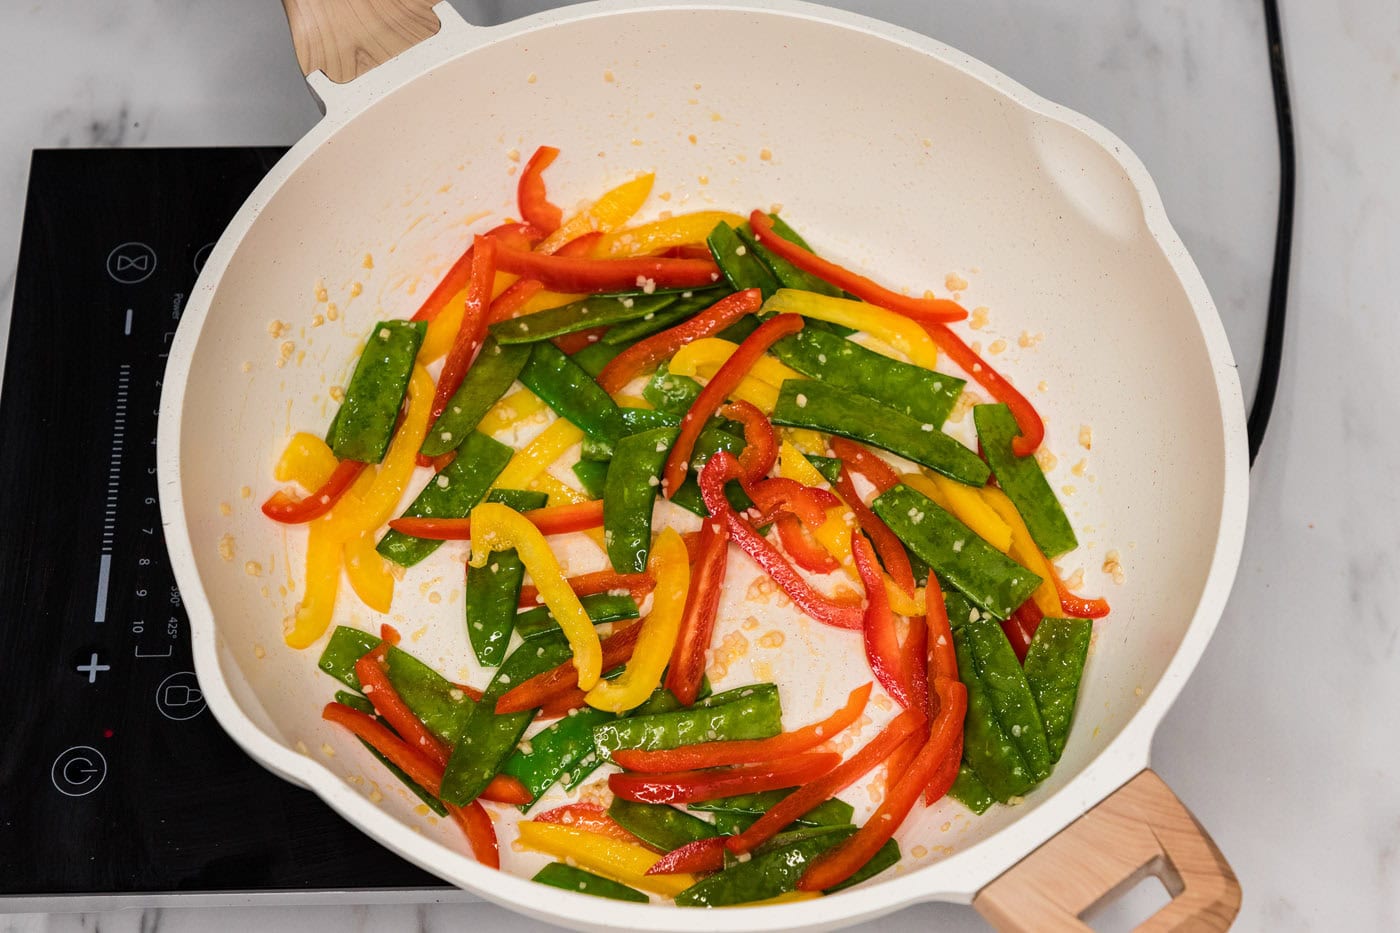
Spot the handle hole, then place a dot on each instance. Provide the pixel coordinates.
(1135, 899)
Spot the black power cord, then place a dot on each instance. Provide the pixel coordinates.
(1270, 362)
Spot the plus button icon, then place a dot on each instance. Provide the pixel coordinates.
(92, 668)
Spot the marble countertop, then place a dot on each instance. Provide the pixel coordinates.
(1282, 742)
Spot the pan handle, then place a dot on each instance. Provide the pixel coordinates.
(343, 39)
(1140, 829)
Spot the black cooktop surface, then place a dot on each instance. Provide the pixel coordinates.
(114, 777)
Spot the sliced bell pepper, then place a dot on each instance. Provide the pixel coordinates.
(892, 554)
(750, 751)
(802, 547)
(714, 393)
(860, 459)
(575, 274)
(924, 309)
(534, 458)
(967, 504)
(669, 566)
(481, 835)
(761, 442)
(644, 355)
(698, 857)
(500, 528)
(591, 817)
(882, 650)
(543, 690)
(703, 358)
(1078, 607)
(812, 793)
(686, 786)
(530, 192)
(894, 330)
(612, 858)
(609, 212)
(1023, 550)
(687, 667)
(379, 737)
(518, 407)
(459, 275)
(1021, 628)
(661, 235)
(510, 302)
(1027, 418)
(840, 863)
(720, 469)
(307, 460)
(808, 503)
(379, 690)
(281, 507)
(638, 585)
(472, 333)
(550, 520)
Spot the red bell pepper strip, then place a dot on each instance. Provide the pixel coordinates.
(1077, 607)
(716, 390)
(1020, 628)
(572, 343)
(914, 653)
(1027, 418)
(781, 494)
(943, 778)
(920, 309)
(506, 789)
(580, 245)
(881, 641)
(521, 234)
(579, 274)
(442, 461)
(412, 762)
(860, 460)
(389, 634)
(481, 835)
(687, 251)
(804, 549)
(377, 688)
(591, 817)
(552, 685)
(702, 855)
(720, 469)
(530, 193)
(509, 302)
(472, 333)
(760, 451)
(591, 584)
(746, 751)
(283, 508)
(829, 785)
(711, 562)
(901, 758)
(887, 543)
(942, 656)
(692, 786)
(644, 355)
(838, 864)
(551, 520)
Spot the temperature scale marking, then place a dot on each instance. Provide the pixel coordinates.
(114, 477)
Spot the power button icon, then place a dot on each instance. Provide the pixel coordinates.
(78, 771)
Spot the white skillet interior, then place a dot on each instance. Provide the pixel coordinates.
(892, 154)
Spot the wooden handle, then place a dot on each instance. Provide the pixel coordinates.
(346, 38)
(1141, 829)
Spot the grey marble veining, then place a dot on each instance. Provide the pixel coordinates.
(1282, 742)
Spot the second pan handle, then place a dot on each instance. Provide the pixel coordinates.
(343, 39)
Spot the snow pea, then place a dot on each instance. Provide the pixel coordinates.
(452, 493)
(658, 825)
(828, 467)
(491, 375)
(671, 393)
(592, 358)
(808, 403)
(365, 421)
(969, 791)
(565, 387)
(777, 869)
(739, 331)
(833, 812)
(788, 275)
(489, 601)
(752, 712)
(586, 313)
(629, 497)
(601, 607)
(921, 394)
(741, 266)
(346, 646)
(687, 305)
(554, 752)
(634, 421)
(569, 878)
(988, 578)
(1054, 666)
(592, 475)
(1023, 482)
(522, 500)
(354, 701)
(1006, 686)
(986, 746)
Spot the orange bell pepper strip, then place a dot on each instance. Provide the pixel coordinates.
(460, 274)
(836, 865)
(550, 520)
(475, 822)
(637, 585)
(412, 762)
(710, 564)
(747, 751)
(715, 392)
(644, 355)
(882, 649)
(577, 274)
(1078, 607)
(508, 303)
(921, 309)
(530, 193)
(692, 786)
(828, 785)
(1027, 418)
(281, 507)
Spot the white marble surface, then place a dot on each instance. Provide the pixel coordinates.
(1283, 741)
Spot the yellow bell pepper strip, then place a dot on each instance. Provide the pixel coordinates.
(307, 461)
(609, 212)
(535, 457)
(369, 573)
(662, 234)
(703, 358)
(518, 407)
(369, 505)
(561, 494)
(1023, 550)
(496, 527)
(442, 330)
(669, 566)
(621, 861)
(886, 326)
(973, 511)
(835, 533)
